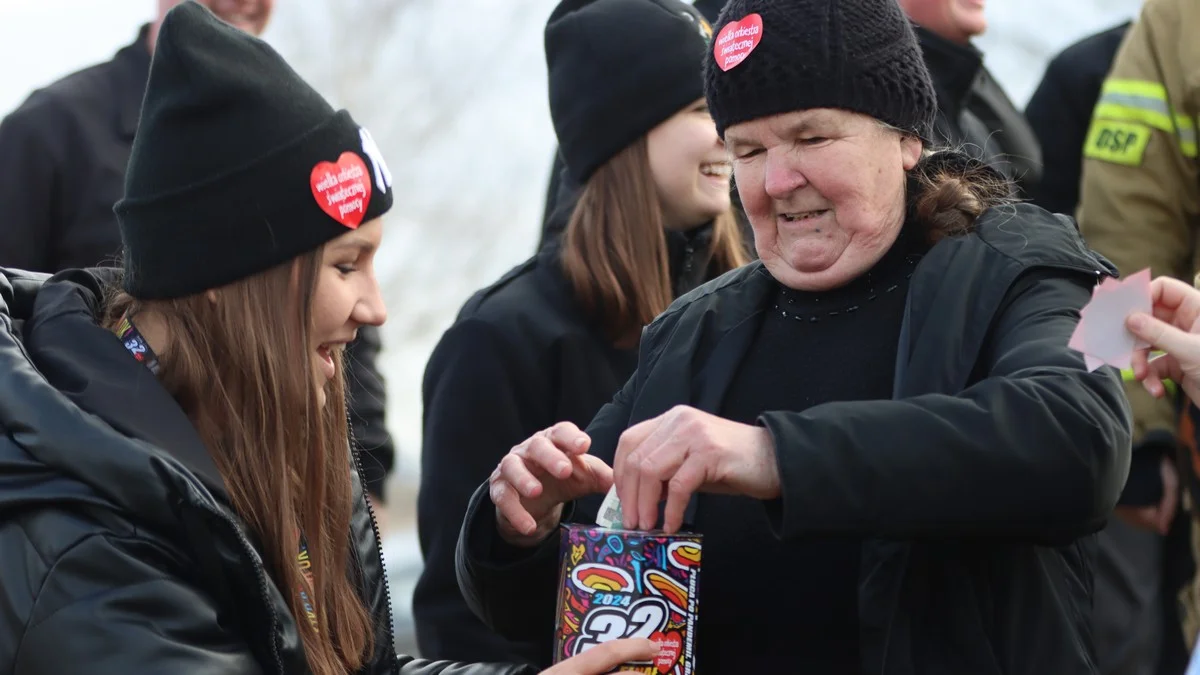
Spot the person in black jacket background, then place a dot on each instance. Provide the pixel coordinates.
(63, 154)
(1060, 112)
(177, 490)
(556, 337)
(896, 462)
(973, 109)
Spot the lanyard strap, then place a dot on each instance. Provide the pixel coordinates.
(136, 344)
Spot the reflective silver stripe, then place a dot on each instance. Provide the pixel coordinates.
(1149, 110)
(1134, 101)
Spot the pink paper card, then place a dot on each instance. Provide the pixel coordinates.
(1101, 335)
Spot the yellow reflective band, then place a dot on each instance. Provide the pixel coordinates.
(1145, 103)
(1127, 376)
(1110, 110)
(1135, 88)
(1117, 142)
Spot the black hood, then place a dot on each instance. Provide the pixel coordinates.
(82, 420)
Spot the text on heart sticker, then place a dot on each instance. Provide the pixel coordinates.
(736, 40)
(343, 189)
(670, 647)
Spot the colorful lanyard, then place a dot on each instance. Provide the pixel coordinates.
(306, 569)
(136, 344)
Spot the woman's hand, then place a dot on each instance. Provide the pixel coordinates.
(605, 657)
(1173, 329)
(690, 451)
(537, 477)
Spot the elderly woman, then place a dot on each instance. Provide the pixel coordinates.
(895, 460)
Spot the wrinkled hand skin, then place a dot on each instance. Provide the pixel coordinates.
(690, 451)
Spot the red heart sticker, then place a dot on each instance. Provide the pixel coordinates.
(343, 189)
(736, 40)
(670, 647)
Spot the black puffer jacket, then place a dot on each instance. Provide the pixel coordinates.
(976, 489)
(120, 551)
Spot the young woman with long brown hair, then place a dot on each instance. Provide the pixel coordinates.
(177, 491)
(556, 337)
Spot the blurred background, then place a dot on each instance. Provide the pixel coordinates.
(454, 94)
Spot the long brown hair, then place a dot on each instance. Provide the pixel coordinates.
(615, 247)
(239, 368)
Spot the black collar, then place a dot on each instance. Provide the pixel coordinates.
(89, 365)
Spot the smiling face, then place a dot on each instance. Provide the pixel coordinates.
(824, 190)
(346, 297)
(954, 20)
(690, 168)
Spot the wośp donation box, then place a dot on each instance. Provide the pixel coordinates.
(619, 584)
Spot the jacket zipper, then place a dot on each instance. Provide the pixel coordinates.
(263, 589)
(387, 590)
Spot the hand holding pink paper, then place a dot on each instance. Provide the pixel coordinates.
(1174, 330)
(1101, 334)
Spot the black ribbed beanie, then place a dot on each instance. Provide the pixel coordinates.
(617, 68)
(776, 56)
(238, 165)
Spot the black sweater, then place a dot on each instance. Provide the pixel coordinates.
(811, 348)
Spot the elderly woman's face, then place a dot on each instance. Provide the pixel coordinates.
(824, 191)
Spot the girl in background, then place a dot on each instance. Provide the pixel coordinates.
(556, 337)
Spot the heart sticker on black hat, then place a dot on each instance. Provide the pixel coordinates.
(343, 189)
(736, 40)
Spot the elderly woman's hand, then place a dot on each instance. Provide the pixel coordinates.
(690, 451)
(537, 477)
(1173, 329)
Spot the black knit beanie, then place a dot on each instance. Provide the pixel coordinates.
(238, 165)
(776, 56)
(617, 69)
